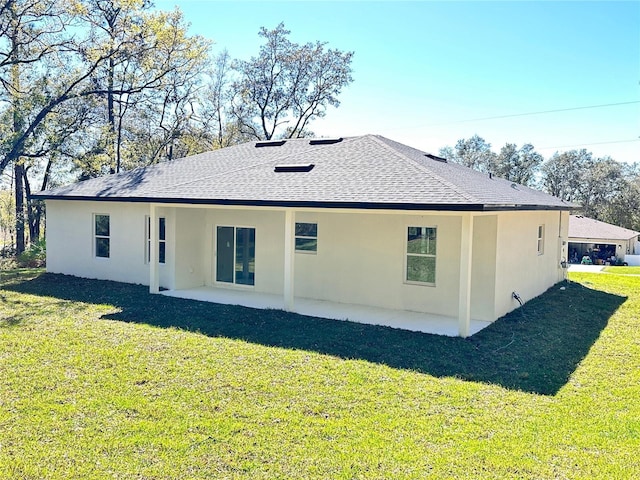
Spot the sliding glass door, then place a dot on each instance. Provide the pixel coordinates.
(236, 255)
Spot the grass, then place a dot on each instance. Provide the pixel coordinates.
(622, 270)
(101, 380)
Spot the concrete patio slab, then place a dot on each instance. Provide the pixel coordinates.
(414, 321)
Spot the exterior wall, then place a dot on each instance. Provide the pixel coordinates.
(361, 260)
(70, 241)
(483, 268)
(519, 268)
(190, 248)
(361, 256)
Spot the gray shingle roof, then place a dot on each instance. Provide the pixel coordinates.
(583, 227)
(363, 172)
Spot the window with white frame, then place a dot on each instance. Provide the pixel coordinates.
(162, 239)
(540, 239)
(306, 237)
(102, 235)
(421, 255)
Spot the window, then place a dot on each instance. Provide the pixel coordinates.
(540, 239)
(162, 239)
(101, 233)
(421, 255)
(306, 237)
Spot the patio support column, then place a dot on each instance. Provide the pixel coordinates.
(466, 249)
(289, 256)
(154, 281)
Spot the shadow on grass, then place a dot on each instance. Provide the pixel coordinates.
(534, 349)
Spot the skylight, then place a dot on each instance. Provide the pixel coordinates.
(436, 158)
(294, 167)
(271, 143)
(324, 141)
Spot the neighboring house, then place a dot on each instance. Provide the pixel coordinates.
(361, 220)
(599, 240)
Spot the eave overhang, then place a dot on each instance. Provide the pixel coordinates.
(452, 207)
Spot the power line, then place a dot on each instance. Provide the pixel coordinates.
(589, 144)
(538, 113)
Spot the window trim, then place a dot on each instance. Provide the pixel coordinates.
(147, 235)
(406, 256)
(540, 240)
(295, 237)
(96, 236)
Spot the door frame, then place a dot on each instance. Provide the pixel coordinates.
(214, 263)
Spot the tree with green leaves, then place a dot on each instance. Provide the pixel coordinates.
(147, 86)
(563, 173)
(474, 152)
(519, 165)
(30, 35)
(593, 183)
(624, 208)
(54, 54)
(602, 180)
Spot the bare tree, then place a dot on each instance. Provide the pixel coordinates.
(287, 85)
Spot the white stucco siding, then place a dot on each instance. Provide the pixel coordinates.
(70, 240)
(483, 267)
(192, 258)
(361, 260)
(520, 268)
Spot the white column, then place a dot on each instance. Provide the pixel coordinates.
(466, 248)
(289, 256)
(154, 281)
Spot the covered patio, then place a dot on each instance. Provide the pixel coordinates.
(414, 321)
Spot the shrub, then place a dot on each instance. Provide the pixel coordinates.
(34, 256)
(8, 251)
(8, 263)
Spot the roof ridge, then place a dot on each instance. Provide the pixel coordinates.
(439, 178)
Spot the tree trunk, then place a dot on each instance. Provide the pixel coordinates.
(19, 191)
(111, 118)
(35, 208)
(33, 216)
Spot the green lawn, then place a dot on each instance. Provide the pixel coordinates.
(101, 380)
(623, 270)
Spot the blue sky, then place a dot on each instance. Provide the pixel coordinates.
(429, 73)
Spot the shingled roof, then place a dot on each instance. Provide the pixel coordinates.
(368, 171)
(584, 227)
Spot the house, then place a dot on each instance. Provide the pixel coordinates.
(600, 240)
(361, 221)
